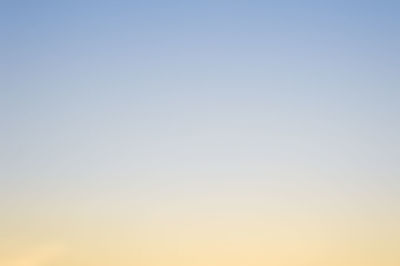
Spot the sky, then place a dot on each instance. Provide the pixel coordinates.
(199, 133)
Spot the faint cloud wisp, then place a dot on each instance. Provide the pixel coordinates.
(39, 256)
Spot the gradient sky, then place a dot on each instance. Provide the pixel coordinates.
(199, 133)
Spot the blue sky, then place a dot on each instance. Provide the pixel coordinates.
(209, 84)
(276, 103)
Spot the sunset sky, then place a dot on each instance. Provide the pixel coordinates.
(199, 133)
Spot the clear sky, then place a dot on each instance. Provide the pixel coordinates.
(199, 133)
